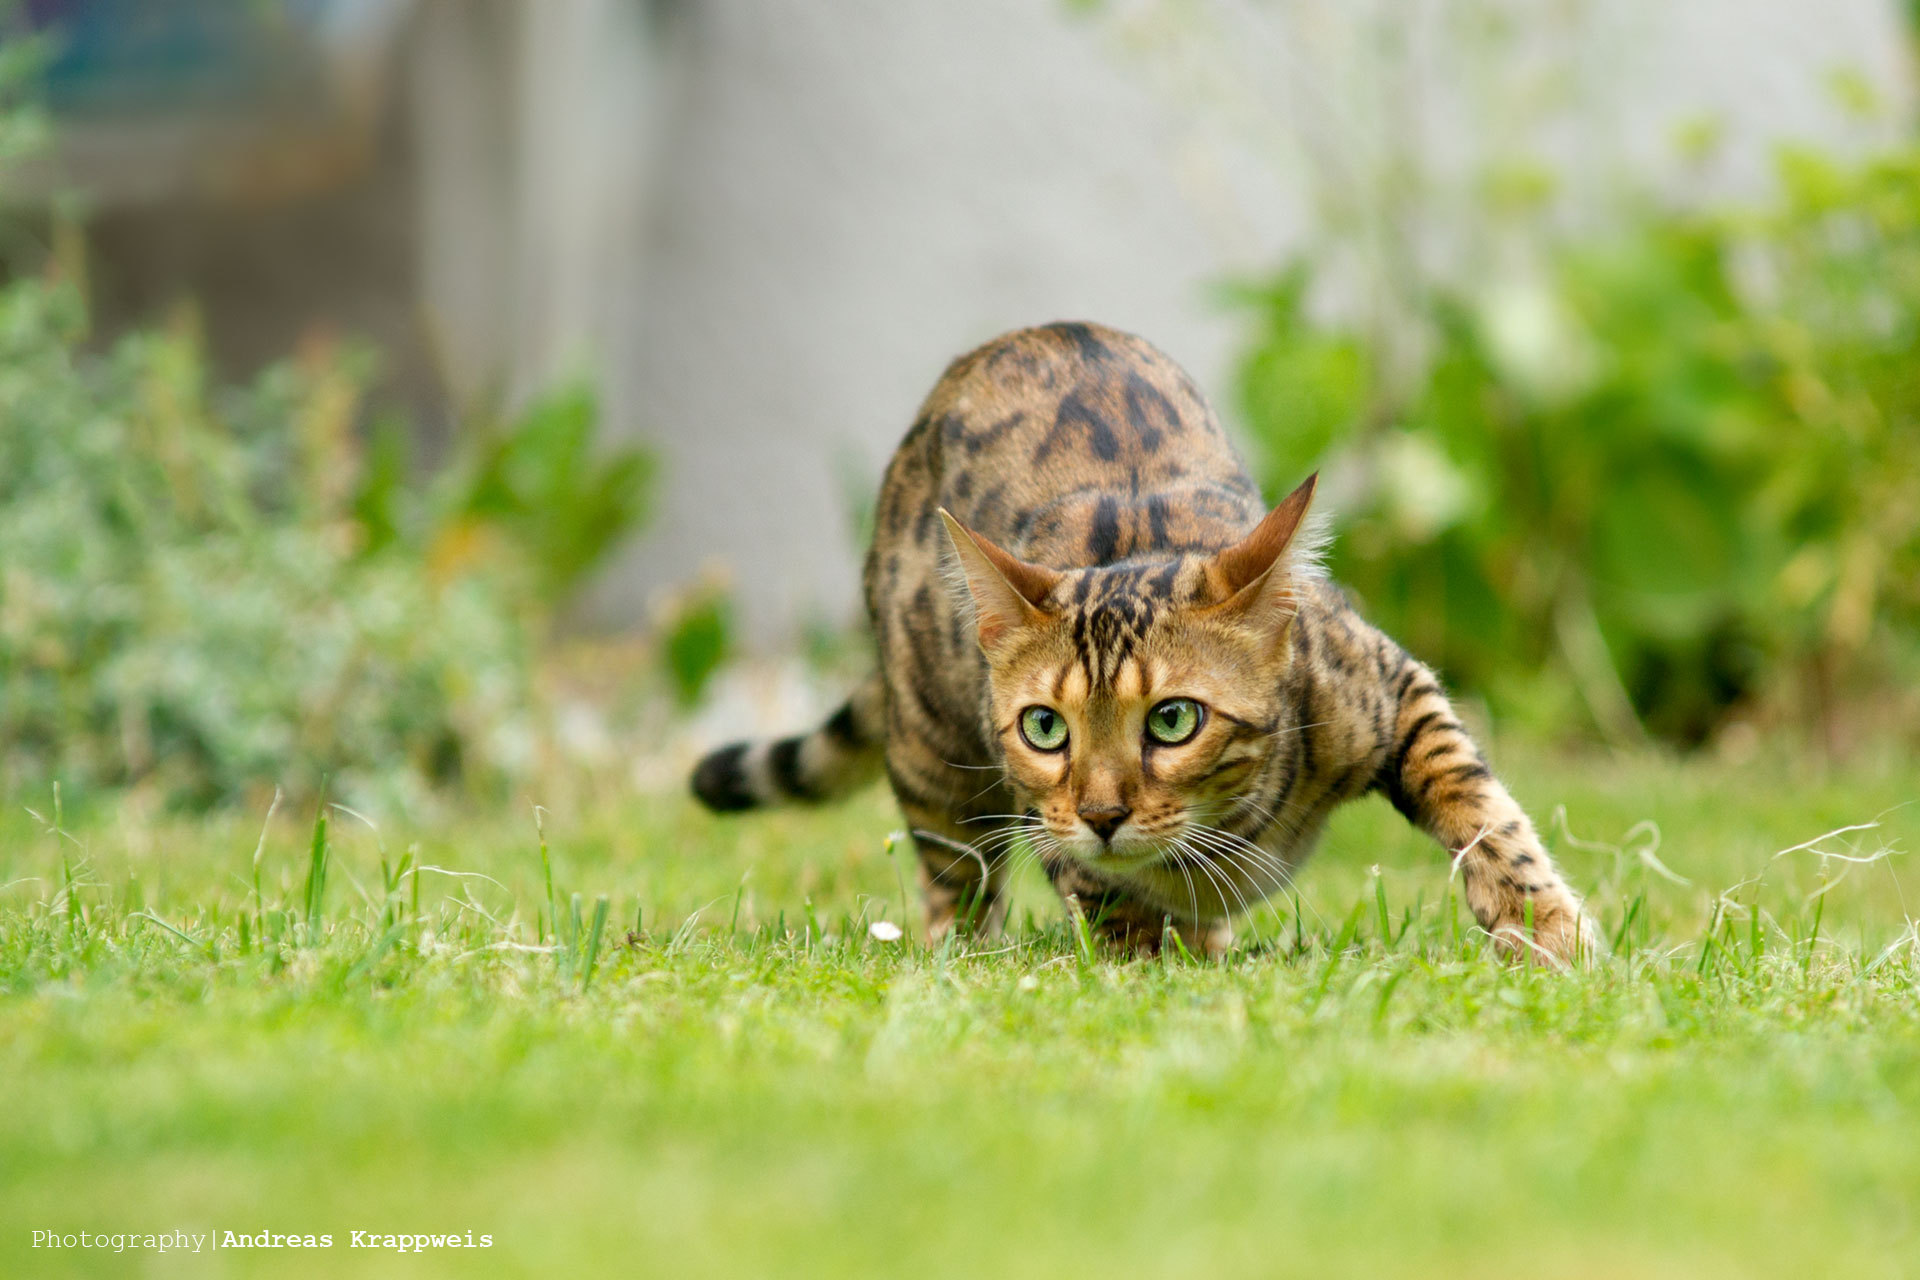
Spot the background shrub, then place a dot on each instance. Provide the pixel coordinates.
(1664, 485)
(210, 591)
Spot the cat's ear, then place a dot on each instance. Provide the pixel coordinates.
(1007, 592)
(1250, 578)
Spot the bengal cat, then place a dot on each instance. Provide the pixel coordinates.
(1094, 643)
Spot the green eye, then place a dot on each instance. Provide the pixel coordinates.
(1043, 728)
(1174, 721)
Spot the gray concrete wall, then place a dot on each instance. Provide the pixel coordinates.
(846, 196)
(852, 195)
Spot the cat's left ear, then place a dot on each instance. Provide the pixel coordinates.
(1250, 579)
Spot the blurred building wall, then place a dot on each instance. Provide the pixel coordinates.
(849, 195)
(766, 228)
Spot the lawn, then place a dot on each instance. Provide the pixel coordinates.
(738, 1078)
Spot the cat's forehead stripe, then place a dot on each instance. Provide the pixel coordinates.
(1111, 609)
(1105, 634)
(1073, 683)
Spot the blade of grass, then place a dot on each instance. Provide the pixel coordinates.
(1380, 901)
(1082, 931)
(260, 851)
(316, 889)
(373, 957)
(546, 866)
(600, 907)
(1813, 937)
(181, 934)
(1706, 942)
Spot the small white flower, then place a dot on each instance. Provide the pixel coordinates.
(884, 931)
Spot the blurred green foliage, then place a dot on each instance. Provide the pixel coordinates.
(541, 480)
(698, 637)
(212, 591)
(1663, 484)
(23, 122)
(209, 592)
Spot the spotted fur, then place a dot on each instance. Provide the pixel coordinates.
(1066, 526)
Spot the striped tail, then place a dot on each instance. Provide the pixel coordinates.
(829, 762)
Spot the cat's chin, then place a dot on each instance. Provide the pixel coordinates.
(1124, 857)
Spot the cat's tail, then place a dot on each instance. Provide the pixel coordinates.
(829, 762)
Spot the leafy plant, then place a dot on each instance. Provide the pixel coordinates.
(211, 592)
(697, 639)
(1669, 478)
(542, 483)
(188, 602)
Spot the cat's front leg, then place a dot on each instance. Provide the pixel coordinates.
(962, 888)
(1435, 776)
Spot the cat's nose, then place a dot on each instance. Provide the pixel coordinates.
(1106, 819)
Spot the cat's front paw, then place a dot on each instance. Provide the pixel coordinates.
(1563, 934)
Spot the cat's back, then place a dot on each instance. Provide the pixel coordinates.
(1070, 444)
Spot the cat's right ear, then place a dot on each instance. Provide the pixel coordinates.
(1251, 579)
(1008, 592)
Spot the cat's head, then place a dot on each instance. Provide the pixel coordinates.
(1134, 703)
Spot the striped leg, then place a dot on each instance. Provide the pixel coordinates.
(1435, 776)
(963, 887)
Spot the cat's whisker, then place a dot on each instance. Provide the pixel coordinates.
(1000, 844)
(1000, 781)
(1193, 891)
(1228, 840)
(1297, 728)
(1239, 903)
(1229, 894)
(1225, 868)
(1285, 875)
(1285, 819)
(1021, 821)
(1179, 863)
(1254, 859)
(1252, 805)
(1249, 857)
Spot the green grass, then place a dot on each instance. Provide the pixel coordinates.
(742, 1081)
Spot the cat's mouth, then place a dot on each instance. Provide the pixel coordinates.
(1168, 855)
(1126, 852)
